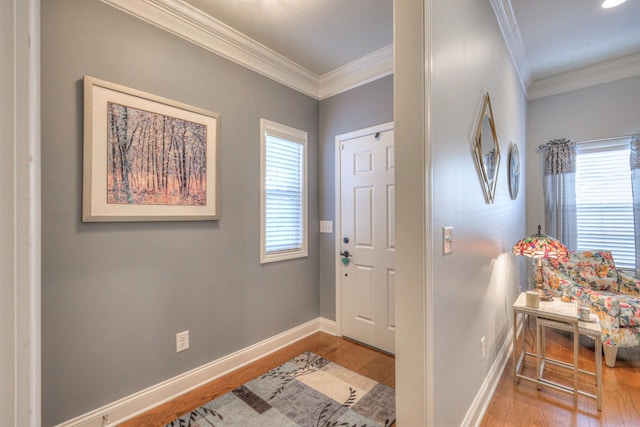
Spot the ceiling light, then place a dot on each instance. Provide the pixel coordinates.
(612, 3)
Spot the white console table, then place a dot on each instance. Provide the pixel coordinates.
(558, 315)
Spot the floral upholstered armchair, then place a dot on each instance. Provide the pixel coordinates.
(591, 278)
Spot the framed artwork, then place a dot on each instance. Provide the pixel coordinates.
(147, 158)
(514, 171)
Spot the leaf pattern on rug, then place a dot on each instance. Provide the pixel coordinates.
(200, 414)
(310, 363)
(322, 422)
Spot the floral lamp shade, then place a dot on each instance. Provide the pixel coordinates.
(540, 245)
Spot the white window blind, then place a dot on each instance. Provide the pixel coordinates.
(604, 200)
(284, 198)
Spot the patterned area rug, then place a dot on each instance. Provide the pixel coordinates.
(305, 391)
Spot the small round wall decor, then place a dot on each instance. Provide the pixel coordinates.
(514, 171)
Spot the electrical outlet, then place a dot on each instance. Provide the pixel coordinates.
(182, 341)
(483, 349)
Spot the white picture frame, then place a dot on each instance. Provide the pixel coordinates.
(147, 158)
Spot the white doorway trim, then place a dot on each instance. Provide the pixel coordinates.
(338, 209)
(415, 335)
(20, 391)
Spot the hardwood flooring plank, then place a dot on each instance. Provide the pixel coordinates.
(523, 405)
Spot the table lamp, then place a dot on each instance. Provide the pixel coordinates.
(538, 246)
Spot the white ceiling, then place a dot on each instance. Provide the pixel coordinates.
(565, 35)
(320, 35)
(323, 47)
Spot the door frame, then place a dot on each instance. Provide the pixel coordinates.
(20, 365)
(339, 140)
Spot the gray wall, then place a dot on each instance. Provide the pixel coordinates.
(114, 295)
(601, 111)
(475, 286)
(359, 108)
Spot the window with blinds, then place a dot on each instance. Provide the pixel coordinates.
(604, 200)
(283, 192)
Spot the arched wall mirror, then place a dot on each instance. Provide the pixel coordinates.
(486, 150)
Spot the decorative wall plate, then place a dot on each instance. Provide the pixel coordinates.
(514, 171)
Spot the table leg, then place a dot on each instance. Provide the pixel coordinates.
(543, 345)
(538, 351)
(599, 370)
(514, 356)
(576, 341)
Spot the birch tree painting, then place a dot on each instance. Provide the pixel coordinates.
(154, 159)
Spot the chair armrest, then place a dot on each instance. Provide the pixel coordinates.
(628, 284)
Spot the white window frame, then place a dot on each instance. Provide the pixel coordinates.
(272, 129)
(601, 146)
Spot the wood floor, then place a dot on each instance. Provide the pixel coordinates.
(370, 363)
(523, 405)
(512, 404)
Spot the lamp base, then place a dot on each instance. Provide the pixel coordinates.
(544, 295)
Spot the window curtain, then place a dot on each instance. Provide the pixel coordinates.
(559, 186)
(635, 186)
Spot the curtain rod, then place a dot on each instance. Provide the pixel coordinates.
(588, 141)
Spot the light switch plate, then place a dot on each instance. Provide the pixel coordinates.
(326, 226)
(447, 240)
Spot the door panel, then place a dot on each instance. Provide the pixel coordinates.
(367, 198)
(364, 284)
(363, 162)
(391, 218)
(363, 217)
(391, 298)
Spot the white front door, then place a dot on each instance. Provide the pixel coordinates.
(367, 239)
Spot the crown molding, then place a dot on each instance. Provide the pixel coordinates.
(189, 23)
(371, 67)
(199, 28)
(605, 72)
(513, 39)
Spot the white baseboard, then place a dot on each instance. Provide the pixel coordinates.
(328, 326)
(131, 406)
(483, 398)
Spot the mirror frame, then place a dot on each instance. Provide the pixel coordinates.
(488, 184)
